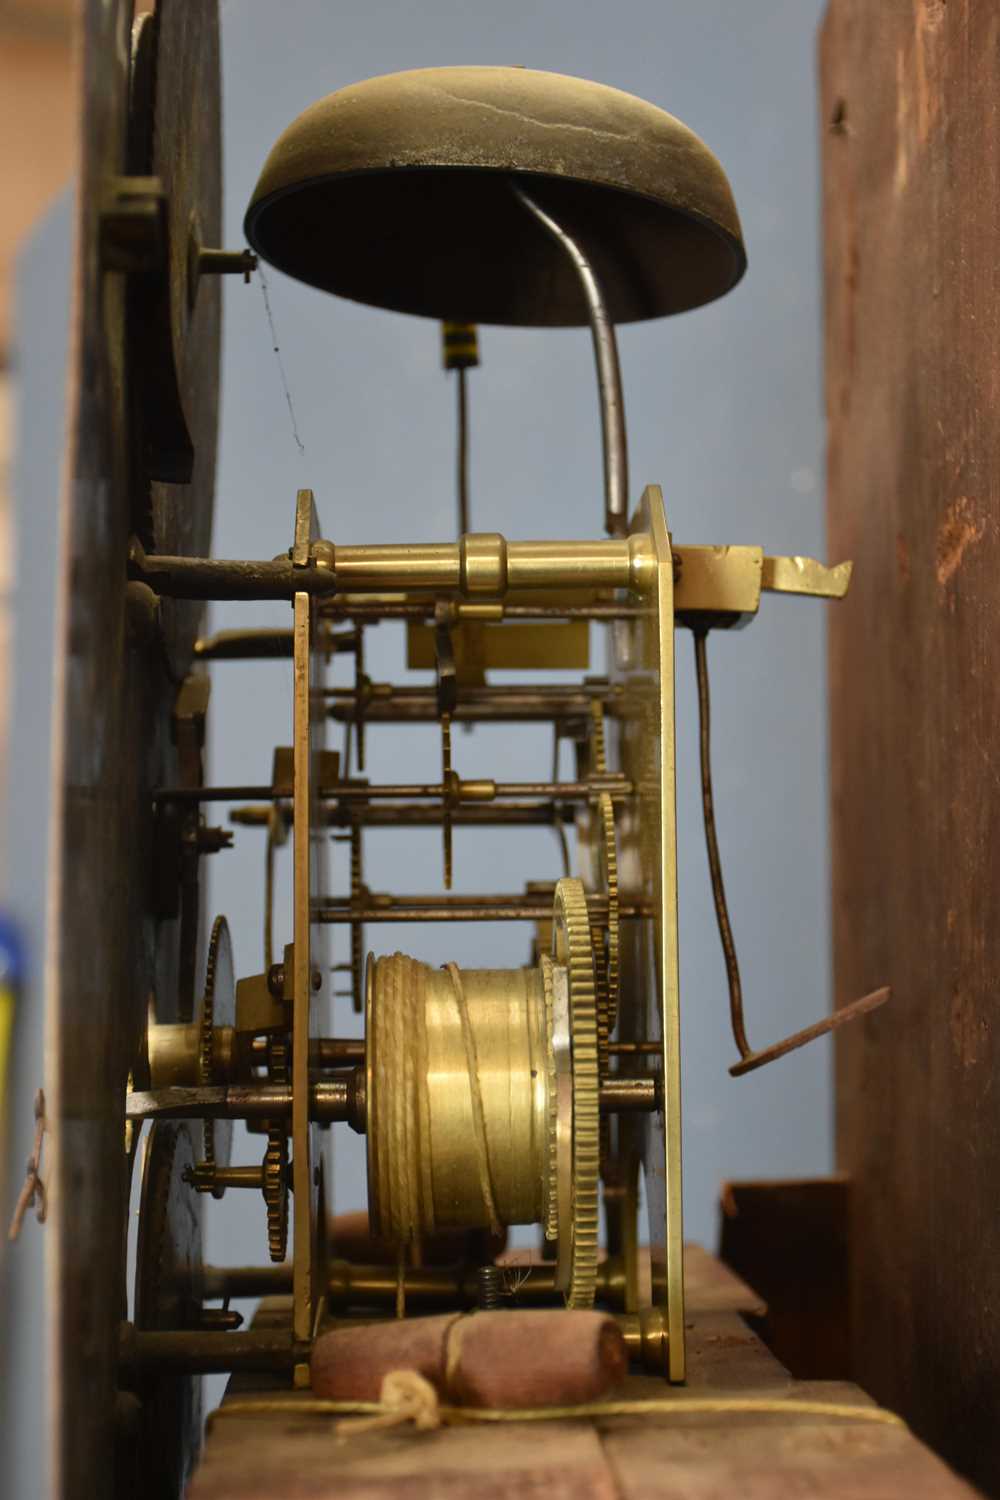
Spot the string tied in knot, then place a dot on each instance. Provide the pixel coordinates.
(405, 1397)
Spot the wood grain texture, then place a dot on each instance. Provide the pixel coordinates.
(911, 162)
(772, 1458)
(187, 157)
(299, 1458)
(790, 1240)
(95, 1027)
(114, 693)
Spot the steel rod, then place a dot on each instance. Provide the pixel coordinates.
(736, 1019)
(416, 609)
(462, 455)
(417, 711)
(749, 1059)
(446, 1286)
(609, 379)
(527, 911)
(333, 1100)
(842, 1017)
(224, 578)
(142, 1351)
(551, 692)
(325, 1052)
(428, 815)
(422, 815)
(223, 1282)
(245, 645)
(383, 703)
(483, 568)
(575, 791)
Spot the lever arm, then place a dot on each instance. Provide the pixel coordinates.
(749, 1059)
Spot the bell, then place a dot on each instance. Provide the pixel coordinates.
(400, 192)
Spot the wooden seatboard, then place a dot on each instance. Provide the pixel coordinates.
(683, 1456)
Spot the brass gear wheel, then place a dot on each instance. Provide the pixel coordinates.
(573, 948)
(275, 1188)
(604, 862)
(599, 753)
(609, 869)
(218, 1008)
(275, 1166)
(550, 1191)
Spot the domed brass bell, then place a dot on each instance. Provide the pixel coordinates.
(399, 192)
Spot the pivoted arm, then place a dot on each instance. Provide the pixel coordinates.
(725, 583)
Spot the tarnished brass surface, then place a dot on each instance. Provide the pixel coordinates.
(310, 961)
(479, 647)
(396, 191)
(302, 973)
(573, 953)
(710, 580)
(461, 566)
(644, 747)
(483, 1097)
(718, 580)
(804, 575)
(505, 1051)
(646, 1338)
(334, 1098)
(174, 1055)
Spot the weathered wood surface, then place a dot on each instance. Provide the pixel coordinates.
(684, 1456)
(790, 1240)
(110, 951)
(93, 1018)
(910, 92)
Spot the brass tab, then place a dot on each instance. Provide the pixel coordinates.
(804, 575)
(480, 647)
(257, 1009)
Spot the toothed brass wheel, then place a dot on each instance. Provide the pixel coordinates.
(275, 1190)
(275, 1166)
(609, 873)
(218, 1008)
(572, 949)
(599, 857)
(556, 1054)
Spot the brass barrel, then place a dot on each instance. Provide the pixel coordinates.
(457, 1104)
